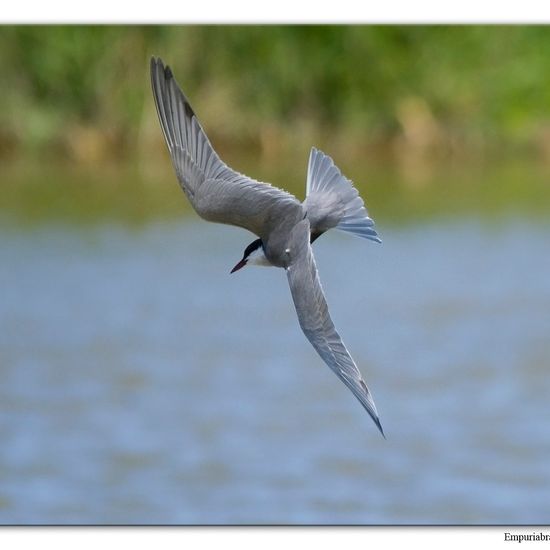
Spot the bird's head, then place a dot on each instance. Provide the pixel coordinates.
(253, 255)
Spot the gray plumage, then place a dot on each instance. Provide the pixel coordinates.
(216, 192)
(284, 225)
(332, 200)
(315, 320)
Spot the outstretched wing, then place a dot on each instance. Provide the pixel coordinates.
(315, 320)
(333, 201)
(216, 192)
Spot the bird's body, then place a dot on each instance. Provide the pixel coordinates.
(285, 227)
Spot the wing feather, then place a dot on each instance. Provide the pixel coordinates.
(216, 192)
(314, 317)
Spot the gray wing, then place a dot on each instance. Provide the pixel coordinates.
(216, 192)
(315, 320)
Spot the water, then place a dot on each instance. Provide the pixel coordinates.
(141, 383)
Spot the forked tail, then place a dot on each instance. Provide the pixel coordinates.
(333, 202)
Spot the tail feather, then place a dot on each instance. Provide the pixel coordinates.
(333, 201)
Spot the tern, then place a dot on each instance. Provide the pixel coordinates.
(285, 227)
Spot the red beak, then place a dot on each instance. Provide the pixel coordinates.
(242, 263)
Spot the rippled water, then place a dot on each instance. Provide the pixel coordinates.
(141, 383)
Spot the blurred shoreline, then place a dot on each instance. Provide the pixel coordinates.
(406, 94)
(146, 189)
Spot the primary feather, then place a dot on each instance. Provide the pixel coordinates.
(216, 192)
(315, 320)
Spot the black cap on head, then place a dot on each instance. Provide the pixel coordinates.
(254, 245)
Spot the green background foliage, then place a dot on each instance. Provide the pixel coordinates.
(433, 119)
(456, 88)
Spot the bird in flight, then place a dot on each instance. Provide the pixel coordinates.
(285, 227)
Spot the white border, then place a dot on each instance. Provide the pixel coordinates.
(352, 538)
(282, 11)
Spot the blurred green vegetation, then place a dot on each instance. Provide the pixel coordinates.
(459, 114)
(83, 91)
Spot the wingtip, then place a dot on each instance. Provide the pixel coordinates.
(160, 70)
(379, 426)
(153, 65)
(157, 62)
